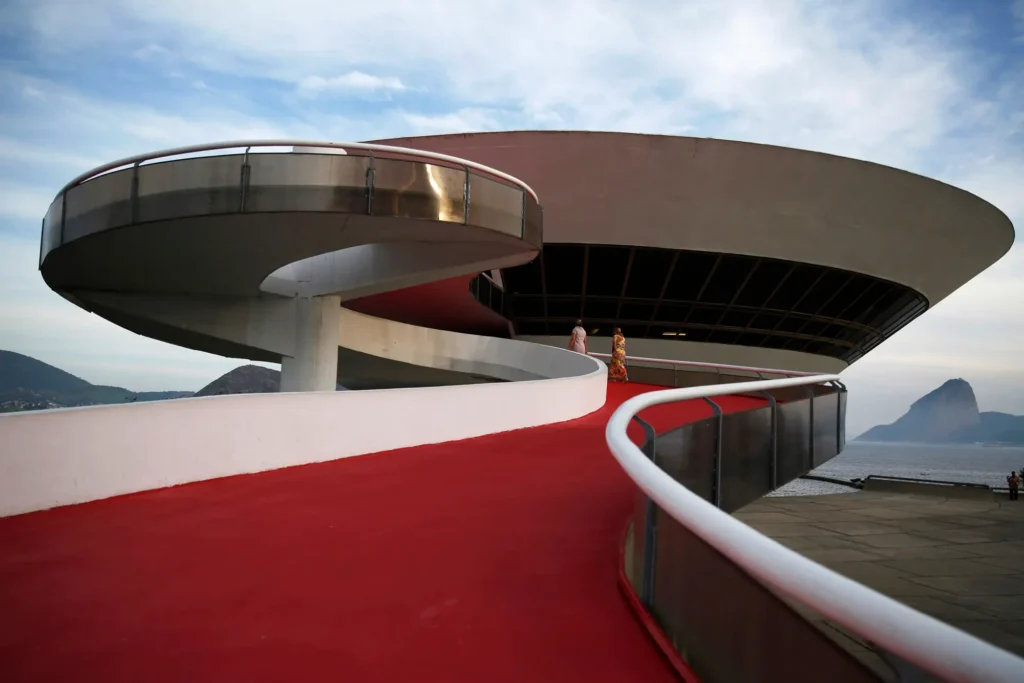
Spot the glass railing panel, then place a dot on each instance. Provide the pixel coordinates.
(307, 182)
(190, 187)
(534, 225)
(410, 189)
(729, 627)
(687, 454)
(826, 426)
(746, 457)
(98, 204)
(495, 206)
(52, 226)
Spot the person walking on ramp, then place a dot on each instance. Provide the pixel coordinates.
(578, 341)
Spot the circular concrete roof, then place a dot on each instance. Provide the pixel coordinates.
(742, 198)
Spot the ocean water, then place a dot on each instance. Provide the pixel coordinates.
(962, 463)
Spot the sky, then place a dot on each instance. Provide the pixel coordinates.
(931, 86)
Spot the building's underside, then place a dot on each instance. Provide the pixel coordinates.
(704, 297)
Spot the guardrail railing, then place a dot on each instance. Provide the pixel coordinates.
(114, 194)
(370, 148)
(727, 546)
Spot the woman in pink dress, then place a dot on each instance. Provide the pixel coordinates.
(578, 341)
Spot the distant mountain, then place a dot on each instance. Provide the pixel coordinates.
(950, 415)
(30, 384)
(247, 379)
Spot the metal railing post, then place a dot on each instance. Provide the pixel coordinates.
(840, 389)
(716, 477)
(369, 186)
(465, 198)
(522, 223)
(244, 181)
(650, 523)
(133, 201)
(810, 431)
(774, 464)
(64, 214)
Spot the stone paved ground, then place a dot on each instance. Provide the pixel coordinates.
(957, 559)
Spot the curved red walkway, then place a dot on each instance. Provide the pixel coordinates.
(491, 559)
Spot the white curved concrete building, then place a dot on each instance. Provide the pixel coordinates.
(705, 250)
(731, 252)
(424, 274)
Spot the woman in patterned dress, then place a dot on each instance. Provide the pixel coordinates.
(617, 368)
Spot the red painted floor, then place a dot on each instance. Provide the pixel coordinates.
(491, 559)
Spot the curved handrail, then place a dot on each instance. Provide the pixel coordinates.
(929, 644)
(716, 366)
(366, 146)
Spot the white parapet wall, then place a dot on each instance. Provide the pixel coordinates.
(504, 359)
(61, 457)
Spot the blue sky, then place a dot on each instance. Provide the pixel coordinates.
(931, 86)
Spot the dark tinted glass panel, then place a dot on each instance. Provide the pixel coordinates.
(527, 307)
(606, 270)
(532, 328)
(637, 311)
(702, 315)
(673, 312)
(524, 279)
(763, 281)
(600, 308)
(744, 300)
(728, 279)
(563, 269)
(766, 321)
(647, 276)
(564, 308)
(736, 318)
(691, 272)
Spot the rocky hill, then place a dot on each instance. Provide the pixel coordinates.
(950, 414)
(247, 379)
(30, 384)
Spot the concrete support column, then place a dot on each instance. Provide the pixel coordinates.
(314, 367)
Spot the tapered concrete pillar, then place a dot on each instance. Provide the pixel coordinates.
(314, 367)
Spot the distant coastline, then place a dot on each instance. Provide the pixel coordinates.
(950, 415)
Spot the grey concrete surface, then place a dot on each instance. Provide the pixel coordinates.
(960, 561)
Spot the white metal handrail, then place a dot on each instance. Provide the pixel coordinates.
(713, 366)
(927, 643)
(246, 144)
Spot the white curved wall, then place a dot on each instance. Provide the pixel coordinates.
(60, 457)
(506, 359)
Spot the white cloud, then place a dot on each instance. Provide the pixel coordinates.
(462, 121)
(847, 78)
(353, 81)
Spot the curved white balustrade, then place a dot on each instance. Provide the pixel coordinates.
(505, 359)
(931, 645)
(61, 457)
